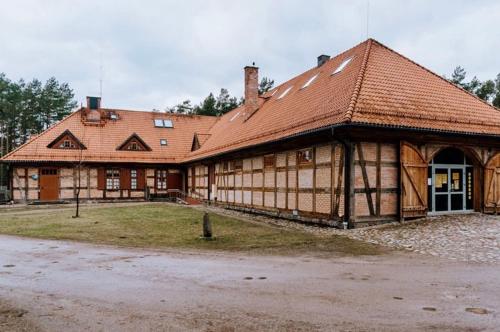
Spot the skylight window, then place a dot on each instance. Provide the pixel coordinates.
(234, 117)
(342, 66)
(163, 142)
(160, 123)
(285, 92)
(309, 81)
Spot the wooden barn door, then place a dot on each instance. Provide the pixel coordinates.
(492, 185)
(413, 182)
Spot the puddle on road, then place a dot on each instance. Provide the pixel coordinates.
(478, 311)
(429, 309)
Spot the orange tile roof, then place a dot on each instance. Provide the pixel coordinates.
(378, 87)
(102, 141)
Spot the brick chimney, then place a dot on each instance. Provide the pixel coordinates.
(251, 90)
(93, 112)
(322, 59)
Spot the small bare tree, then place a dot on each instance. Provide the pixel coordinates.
(79, 170)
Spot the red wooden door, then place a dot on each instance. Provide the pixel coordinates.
(49, 184)
(174, 181)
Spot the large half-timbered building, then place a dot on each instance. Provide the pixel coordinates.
(364, 137)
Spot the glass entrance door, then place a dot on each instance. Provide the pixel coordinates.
(456, 189)
(449, 189)
(450, 182)
(441, 190)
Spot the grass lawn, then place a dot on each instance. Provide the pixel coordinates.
(170, 226)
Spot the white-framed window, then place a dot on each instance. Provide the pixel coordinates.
(342, 66)
(161, 179)
(112, 179)
(67, 144)
(133, 179)
(163, 142)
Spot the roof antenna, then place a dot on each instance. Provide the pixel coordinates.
(100, 73)
(367, 19)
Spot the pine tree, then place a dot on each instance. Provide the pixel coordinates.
(496, 98)
(265, 85)
(225, 102)
(182, 108)
(488, 90)
(207, 107)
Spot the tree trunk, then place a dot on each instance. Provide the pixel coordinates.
(207, 226)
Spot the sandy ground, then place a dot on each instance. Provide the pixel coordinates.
(65, 286)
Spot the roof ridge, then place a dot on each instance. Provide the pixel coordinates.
(50, 128)
(333, 57)
(359, 81)
(156, 112)
(435, 74)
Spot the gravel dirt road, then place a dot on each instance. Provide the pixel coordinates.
(66, 286)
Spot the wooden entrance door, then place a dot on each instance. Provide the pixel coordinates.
(413, 182)
(49, 184)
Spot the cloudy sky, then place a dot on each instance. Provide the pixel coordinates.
(157, 53)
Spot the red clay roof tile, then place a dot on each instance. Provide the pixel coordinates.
(378, 87)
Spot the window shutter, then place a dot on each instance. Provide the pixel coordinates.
(124, 178)
(141, 179)
(101, 178)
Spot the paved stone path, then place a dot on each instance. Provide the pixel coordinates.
(471, 237)
(467, 238)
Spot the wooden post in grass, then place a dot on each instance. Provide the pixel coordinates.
(207, 226)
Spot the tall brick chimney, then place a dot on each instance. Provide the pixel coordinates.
(251, 90)
(93, 113)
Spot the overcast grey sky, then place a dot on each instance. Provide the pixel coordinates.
(158, 53)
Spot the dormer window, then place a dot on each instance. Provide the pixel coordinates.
(134, 143)
(66, 141)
